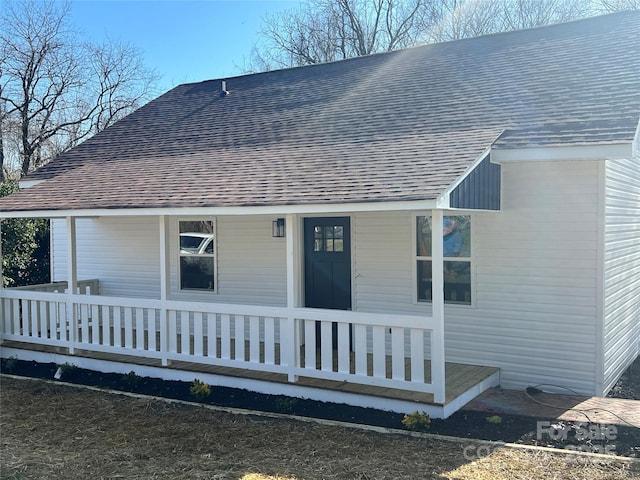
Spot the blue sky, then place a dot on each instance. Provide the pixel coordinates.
(184, 40)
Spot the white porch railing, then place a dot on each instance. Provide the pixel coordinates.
(84, 287)
(373, 349)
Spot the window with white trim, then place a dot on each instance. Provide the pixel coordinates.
(197, 255)
(457, 259)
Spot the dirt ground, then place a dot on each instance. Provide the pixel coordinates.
(60, 431)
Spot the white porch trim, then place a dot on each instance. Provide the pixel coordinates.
(279, 210)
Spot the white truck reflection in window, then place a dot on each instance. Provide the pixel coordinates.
(197, 261)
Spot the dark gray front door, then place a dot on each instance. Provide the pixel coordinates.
(327, 246)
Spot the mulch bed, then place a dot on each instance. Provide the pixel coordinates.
(462, 424)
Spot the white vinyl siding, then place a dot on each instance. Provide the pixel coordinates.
(123, 254)
(251, 263)
(621, 342)
(536, 273)
(535, 277)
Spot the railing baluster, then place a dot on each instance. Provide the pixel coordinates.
(360, 348)
(379, 353)
(417, 355)
(309, 344)
(326, 346)
(16, 317)
(254, 339)
(152, 330)
(185, 333)
(140, 329)
(225, 336)
(106, 326)
(128, 327)
(397, 353)
(212, 340)
(117, 327)
(95, 325)
(44, 319)
(269, 340)
(344, 355)
(173, 331)
(33, 313)
(239, 336)
(198, 339)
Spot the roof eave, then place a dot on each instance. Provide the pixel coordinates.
(315, 209)
(608, 151)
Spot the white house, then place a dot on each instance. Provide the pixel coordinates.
(282, 231)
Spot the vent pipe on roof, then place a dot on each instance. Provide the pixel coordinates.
(224, 92)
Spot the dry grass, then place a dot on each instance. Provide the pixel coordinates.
(58, 431)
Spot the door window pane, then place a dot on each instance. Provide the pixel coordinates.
(328, 238)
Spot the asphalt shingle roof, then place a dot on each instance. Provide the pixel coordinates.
(389, 127)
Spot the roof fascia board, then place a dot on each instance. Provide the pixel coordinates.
(555, 153)
(215, 211)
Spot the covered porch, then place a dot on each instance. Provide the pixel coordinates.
(381, 360)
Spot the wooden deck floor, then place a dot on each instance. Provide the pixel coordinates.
(459, 378)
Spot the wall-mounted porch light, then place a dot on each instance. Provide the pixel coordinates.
(277, 228)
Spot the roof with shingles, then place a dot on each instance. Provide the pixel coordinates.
(389, 127)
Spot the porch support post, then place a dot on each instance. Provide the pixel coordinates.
(437, 335)
(290, 343)
(164, 287)
(72, 281)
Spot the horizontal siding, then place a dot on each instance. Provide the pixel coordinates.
(535, 268)
(621, 343)
(534, 265)
(251, 263)
(536, 275)
(121, 252)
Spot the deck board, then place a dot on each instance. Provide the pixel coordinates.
(458, 377)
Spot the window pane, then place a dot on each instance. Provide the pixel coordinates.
(457, 282)
(424, 280)
(456, 236)
(338, 245)
(196, 237)
(328, 245)
(317, 245)
(423, 240)
(196, 273)
(338, 231)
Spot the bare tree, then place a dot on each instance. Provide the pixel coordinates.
(328, 30)
(456, 19)
(608, 6)
(56, 88)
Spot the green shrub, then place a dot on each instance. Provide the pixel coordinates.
(495, 419)
(10, 364)
(200, 390)
(65, 371)
(130, 380)
(285, 404)
(417, 421)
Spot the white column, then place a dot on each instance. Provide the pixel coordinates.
(72, 281)
(437, 289)
(164, 285)
(290, 344)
